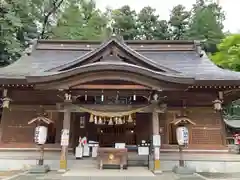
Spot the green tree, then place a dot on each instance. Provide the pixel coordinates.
(80, 20)
(228, 55)
(46, 13)
(124, 22)
(20, 23)
(150, 27)
(206, 23)
(179, 20)
(13, 27)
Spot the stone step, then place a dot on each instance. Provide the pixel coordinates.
(93, 162)
(130, 172)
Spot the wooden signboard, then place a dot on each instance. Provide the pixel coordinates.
(112, 158)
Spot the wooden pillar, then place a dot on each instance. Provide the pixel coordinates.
(64, 151)
(155, 126)
(155, 122)
(4, 111)
(59, 127)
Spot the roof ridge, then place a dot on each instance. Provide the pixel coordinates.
(123, 45)
(126, 41)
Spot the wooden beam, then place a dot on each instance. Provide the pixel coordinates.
(110, 108)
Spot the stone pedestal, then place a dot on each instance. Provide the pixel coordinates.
(183, 170)
(38, 169)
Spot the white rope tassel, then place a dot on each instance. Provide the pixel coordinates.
(91, 119)
(116, 120)
(110, 121)
(120, 120)
(95, 120)
(100, 121)
(130, 120)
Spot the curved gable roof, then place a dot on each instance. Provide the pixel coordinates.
(110, 66)
(116, 43)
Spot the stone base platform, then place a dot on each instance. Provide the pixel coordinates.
(38, 169)
(225, 163)
(131, 171)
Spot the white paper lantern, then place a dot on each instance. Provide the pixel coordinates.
(40, 135)
(182, 135)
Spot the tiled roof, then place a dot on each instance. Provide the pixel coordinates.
(190, 63)
(187, 62)
(232, 123)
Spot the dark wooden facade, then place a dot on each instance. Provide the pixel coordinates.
(177, 71)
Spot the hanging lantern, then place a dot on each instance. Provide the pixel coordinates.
(217, 105)
(130, 120)
(91, 119)
(95, 120)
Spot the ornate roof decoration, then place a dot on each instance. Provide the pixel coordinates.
(40, 119)
(182, 120)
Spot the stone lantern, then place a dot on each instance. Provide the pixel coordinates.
(182, 122)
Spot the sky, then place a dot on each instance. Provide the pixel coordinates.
(163, 7)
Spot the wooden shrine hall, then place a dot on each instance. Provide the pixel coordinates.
(116, 91)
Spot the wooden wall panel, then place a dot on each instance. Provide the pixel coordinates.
(143, 126)
(15, 126)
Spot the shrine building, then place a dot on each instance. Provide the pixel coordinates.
(116, 91)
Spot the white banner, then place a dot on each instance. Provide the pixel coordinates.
(65, 137)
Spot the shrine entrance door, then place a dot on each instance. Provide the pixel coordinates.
(108, 135)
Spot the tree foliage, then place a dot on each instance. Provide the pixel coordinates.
(25, 20)
(179, 20)
(80, 20)
(124, 22)
(22, 21)
(228, 55)
(206, 24)
(150, 26)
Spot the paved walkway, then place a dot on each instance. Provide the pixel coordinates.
(220, 176)
(108, 176)
(7, 174)
(131, 174)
